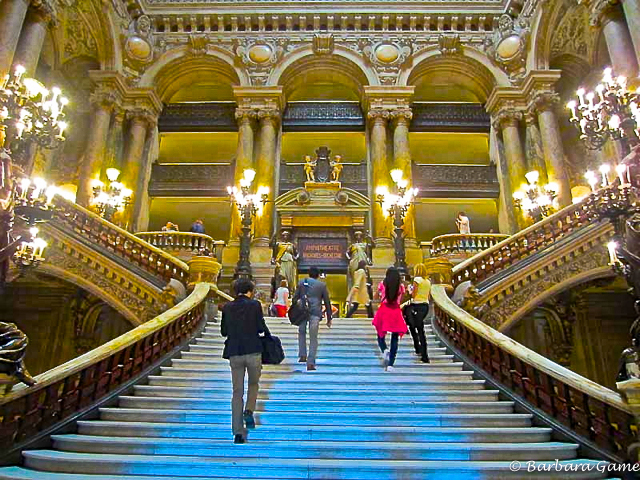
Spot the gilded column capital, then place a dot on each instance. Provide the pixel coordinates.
(269, 114)
(44, 11)
(507, 117)
(104, 99)
(246, 115)
(602, 11)
(530, 118)
(379, 116)
(544, 101)
(141, 115)
(401, 115)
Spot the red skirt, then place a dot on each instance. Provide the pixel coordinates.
(389, 320)
(281, 310)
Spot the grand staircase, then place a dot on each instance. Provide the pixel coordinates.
(347, 420)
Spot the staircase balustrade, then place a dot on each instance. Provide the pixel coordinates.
(122, 243)
(77, 385)
(590, 410)
(470, 244)
(186, 242)
(537, 237)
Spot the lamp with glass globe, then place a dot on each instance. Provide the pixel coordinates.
(111, 199)
(537, 201)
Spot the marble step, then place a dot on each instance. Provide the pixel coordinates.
(317, 382)
(335, 340)
(352, 433)
(220, 365)
(335, 360)
(309, 395)
(401, 449)
(345, 375)
(353, 407)
(176, 466)
(499, 417)
(195, 348)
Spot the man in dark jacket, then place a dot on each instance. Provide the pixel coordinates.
(317, 293)
(242, 324)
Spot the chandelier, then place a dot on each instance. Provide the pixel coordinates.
(30, 254)
(29, 112)
(534, 199)
(111, 199)
(613, 111)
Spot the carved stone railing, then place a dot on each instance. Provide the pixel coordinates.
(80, 384)
(457, 244)
(180, 243)
(596, 414)
(90, 229)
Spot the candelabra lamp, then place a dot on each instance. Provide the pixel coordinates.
(30, 113)
(249, 206)
(111, 199)
(614, 113)
(396, 205)
(536, 200)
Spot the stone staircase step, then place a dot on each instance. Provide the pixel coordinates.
(285, 468)
(353, 433)
(355, 407)
(311, 395)
(20, 473)
(346, 376)
(317, 382)
(401, 449)
(335, 340)
(501, 416)
(214, 349)
(216, 365)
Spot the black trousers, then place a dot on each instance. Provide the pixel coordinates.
(415, 323)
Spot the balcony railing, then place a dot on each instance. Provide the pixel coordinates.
(93, 230)
(457, 244)
(183, 242)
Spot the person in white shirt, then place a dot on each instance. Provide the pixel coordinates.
(282, 299)
(462, 221)
(418, 310)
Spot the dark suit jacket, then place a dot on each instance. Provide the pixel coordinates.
(242, 322)
(317, 293)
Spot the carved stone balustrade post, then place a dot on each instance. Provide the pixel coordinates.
(12, 15)
(32, 37)
(616, 33)
(552, 144)
(135, 166)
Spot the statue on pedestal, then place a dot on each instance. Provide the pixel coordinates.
(284, 257)
(360, 249)
(310, 168)
(336, 168)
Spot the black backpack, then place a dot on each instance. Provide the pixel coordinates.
(300, 311)
(272, 351)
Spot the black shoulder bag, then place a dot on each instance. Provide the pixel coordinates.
(300, 310)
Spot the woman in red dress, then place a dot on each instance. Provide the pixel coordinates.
(388, 318)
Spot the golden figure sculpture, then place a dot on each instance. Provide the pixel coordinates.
(336, 168)
(284, 257)
(309, 168)
(359, 250)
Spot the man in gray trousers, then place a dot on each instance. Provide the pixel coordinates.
(317, 293)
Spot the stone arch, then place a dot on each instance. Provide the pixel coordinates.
(303, 65)
(178, 68)
(472, 70)
(79, 281)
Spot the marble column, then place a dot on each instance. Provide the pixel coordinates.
(619, 43)
(266, 172)
(244, 160)
(380, 174)
(94, 151)
(134, 164)
(514, 154)
(507, 219)
(402, 160)
(29, 46)
(552, 146)
(533, 148)
(632, 14)
(12, 15)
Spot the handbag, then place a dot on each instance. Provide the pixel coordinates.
(272, 351)
(300, 310)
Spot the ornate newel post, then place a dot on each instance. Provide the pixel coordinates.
(203, 269)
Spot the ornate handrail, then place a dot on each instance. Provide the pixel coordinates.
(69, 388)
(588, 409)
(183, 241)
(533, 239)
(118, 241)
(471, 243)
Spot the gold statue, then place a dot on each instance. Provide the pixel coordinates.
(336, 168)
(360, 250)
(310, 168)
(284, 256)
